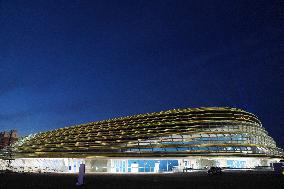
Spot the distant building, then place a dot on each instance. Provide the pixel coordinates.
(8, 138)
(178, 139)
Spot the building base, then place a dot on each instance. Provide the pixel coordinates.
(135, 165)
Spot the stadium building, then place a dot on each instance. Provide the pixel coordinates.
(173, 140)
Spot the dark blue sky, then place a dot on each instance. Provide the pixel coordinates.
(70, 62)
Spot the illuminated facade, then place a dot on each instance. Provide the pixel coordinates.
(155, 142)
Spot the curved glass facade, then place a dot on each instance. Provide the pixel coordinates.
(215, 131)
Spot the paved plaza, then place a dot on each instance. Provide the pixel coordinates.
(243, 180)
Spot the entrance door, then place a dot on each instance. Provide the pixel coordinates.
(134, 168)
(156, 168)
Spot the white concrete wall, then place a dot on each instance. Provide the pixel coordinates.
(62, 164)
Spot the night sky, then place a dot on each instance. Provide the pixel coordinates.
(72, 62)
